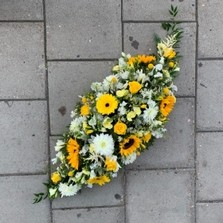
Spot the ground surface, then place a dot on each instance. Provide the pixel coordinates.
(51, 51)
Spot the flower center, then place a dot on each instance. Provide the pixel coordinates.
(129, 144)
(107, 105)
(103, 144)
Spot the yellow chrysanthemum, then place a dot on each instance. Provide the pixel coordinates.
(106, 104)
(132, 60)
(169, 53)
(111, 164)
(147, 137)
(55, 177)
(85, 110)
(146, 59)
(120, 128)
(84, 100)
(167, 105)
(129, 145)
(101, 180)
(166, 91)
(73, 153)
(134, 87)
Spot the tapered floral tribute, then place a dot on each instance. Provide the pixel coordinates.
(117, 119)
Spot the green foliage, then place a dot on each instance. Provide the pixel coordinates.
(39, 197)
(172, 27)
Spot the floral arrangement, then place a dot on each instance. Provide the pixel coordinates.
(118, 118)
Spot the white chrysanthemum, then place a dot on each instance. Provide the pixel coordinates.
(59, 145)
(129, 159)
(150, 113)
(70, 190)
(103, 144)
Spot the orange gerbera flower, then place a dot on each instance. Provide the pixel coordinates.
(73, 153)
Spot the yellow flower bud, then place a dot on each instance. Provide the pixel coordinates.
(150, 66)
(171, 64)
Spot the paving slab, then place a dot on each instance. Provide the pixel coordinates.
(209, 166)
(159, 197)
(210, 19)
(90, 215)
(209, 94)
(23, 137)
(210, 213)
(176, 149)
(83, 29)
(68, 80)
(21, 10)
(138, 39)
(22, 61)
(16, 200)
(147, 10)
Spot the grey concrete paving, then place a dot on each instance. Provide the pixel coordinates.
(50, 52)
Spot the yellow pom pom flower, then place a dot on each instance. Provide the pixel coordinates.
(106, 104)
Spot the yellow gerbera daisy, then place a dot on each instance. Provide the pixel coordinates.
(85, 110)
(73, 153)
(134, 87)
(129, 145)
(55, 177)
(167, 105)
(101, 180)
(106, 104)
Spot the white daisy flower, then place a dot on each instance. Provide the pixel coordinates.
(70, 190)
(129, 159)
(103, 144)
